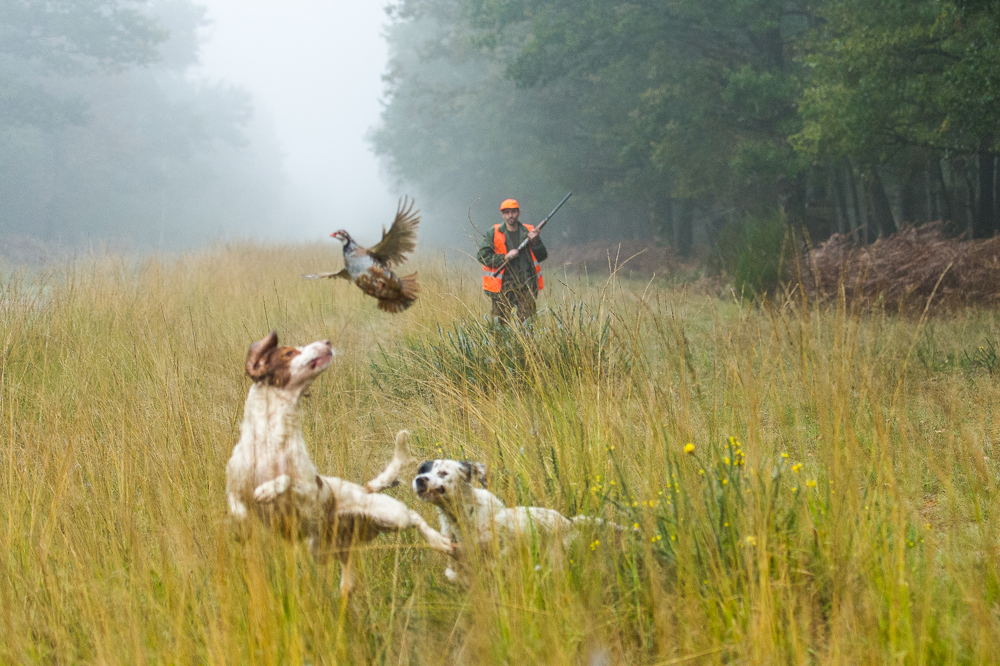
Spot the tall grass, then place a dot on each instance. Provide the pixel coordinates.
(801, 484)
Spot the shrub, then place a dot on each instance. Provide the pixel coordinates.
(903, 270)
(751, 251)
(486, 354)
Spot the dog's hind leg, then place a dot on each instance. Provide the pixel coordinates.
(347, 578)
(388, 477)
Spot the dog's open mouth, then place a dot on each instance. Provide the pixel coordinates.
(323, 360)
(428, 494)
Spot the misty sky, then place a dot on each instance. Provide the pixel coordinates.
(314, 68)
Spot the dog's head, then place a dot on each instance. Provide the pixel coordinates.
(440, 480)
(287, 367)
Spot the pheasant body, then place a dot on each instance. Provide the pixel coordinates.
(370, 269)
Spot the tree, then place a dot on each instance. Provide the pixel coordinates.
(905, 87)
(682, 116)
(104, 137)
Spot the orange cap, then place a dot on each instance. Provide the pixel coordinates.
(509, 203)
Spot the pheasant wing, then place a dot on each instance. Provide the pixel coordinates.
(401, 238)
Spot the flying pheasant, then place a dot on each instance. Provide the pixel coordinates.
(370, 268)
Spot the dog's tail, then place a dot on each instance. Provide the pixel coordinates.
(597, 522)
(388, 477)
(404, 298)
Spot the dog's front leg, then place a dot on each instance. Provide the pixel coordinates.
(270, 490)
(237, 509)
(435, 539)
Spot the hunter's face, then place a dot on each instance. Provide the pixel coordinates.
(510, 216)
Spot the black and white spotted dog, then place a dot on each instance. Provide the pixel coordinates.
(479, 515)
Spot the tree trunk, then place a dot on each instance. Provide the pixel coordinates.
(881, 210)
(865, 235)
(960, 172)
(910, 198)
(685, 227)
(795, 205)
(985, 225)
(668, 220)
(944, 197)
(996, 194)
(929, 195)
(839, 206)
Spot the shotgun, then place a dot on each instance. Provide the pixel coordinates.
(524, 243)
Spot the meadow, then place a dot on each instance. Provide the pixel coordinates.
(803, 482)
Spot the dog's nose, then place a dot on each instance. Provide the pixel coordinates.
(420, 483)
(327, 343)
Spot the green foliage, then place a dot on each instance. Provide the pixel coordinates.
(935, 358)
(851, 115)
(883, 75)
(628, 104)
(751, 253)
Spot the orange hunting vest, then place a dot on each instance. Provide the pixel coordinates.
(493, 284)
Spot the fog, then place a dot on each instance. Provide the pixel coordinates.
(314, 69)
(168, 124)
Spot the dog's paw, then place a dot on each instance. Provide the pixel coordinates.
(269, 490)
(455, 577)
(374, 486)
(441, 543)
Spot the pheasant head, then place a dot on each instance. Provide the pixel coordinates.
(350, 245)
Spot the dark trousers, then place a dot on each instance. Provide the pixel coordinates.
(523, 300)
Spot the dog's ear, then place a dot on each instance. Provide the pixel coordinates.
(257, 356)
(477, 470)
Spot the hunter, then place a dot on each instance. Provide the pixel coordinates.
(518, 285)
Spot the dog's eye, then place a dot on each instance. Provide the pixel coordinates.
(442, 474)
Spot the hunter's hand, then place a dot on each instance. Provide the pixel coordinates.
(510, 255)
(533, 234)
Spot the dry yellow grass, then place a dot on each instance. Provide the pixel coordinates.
(121, 390)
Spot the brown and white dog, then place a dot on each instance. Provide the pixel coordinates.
(270, 471)
(480, 515)
(271, 475)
